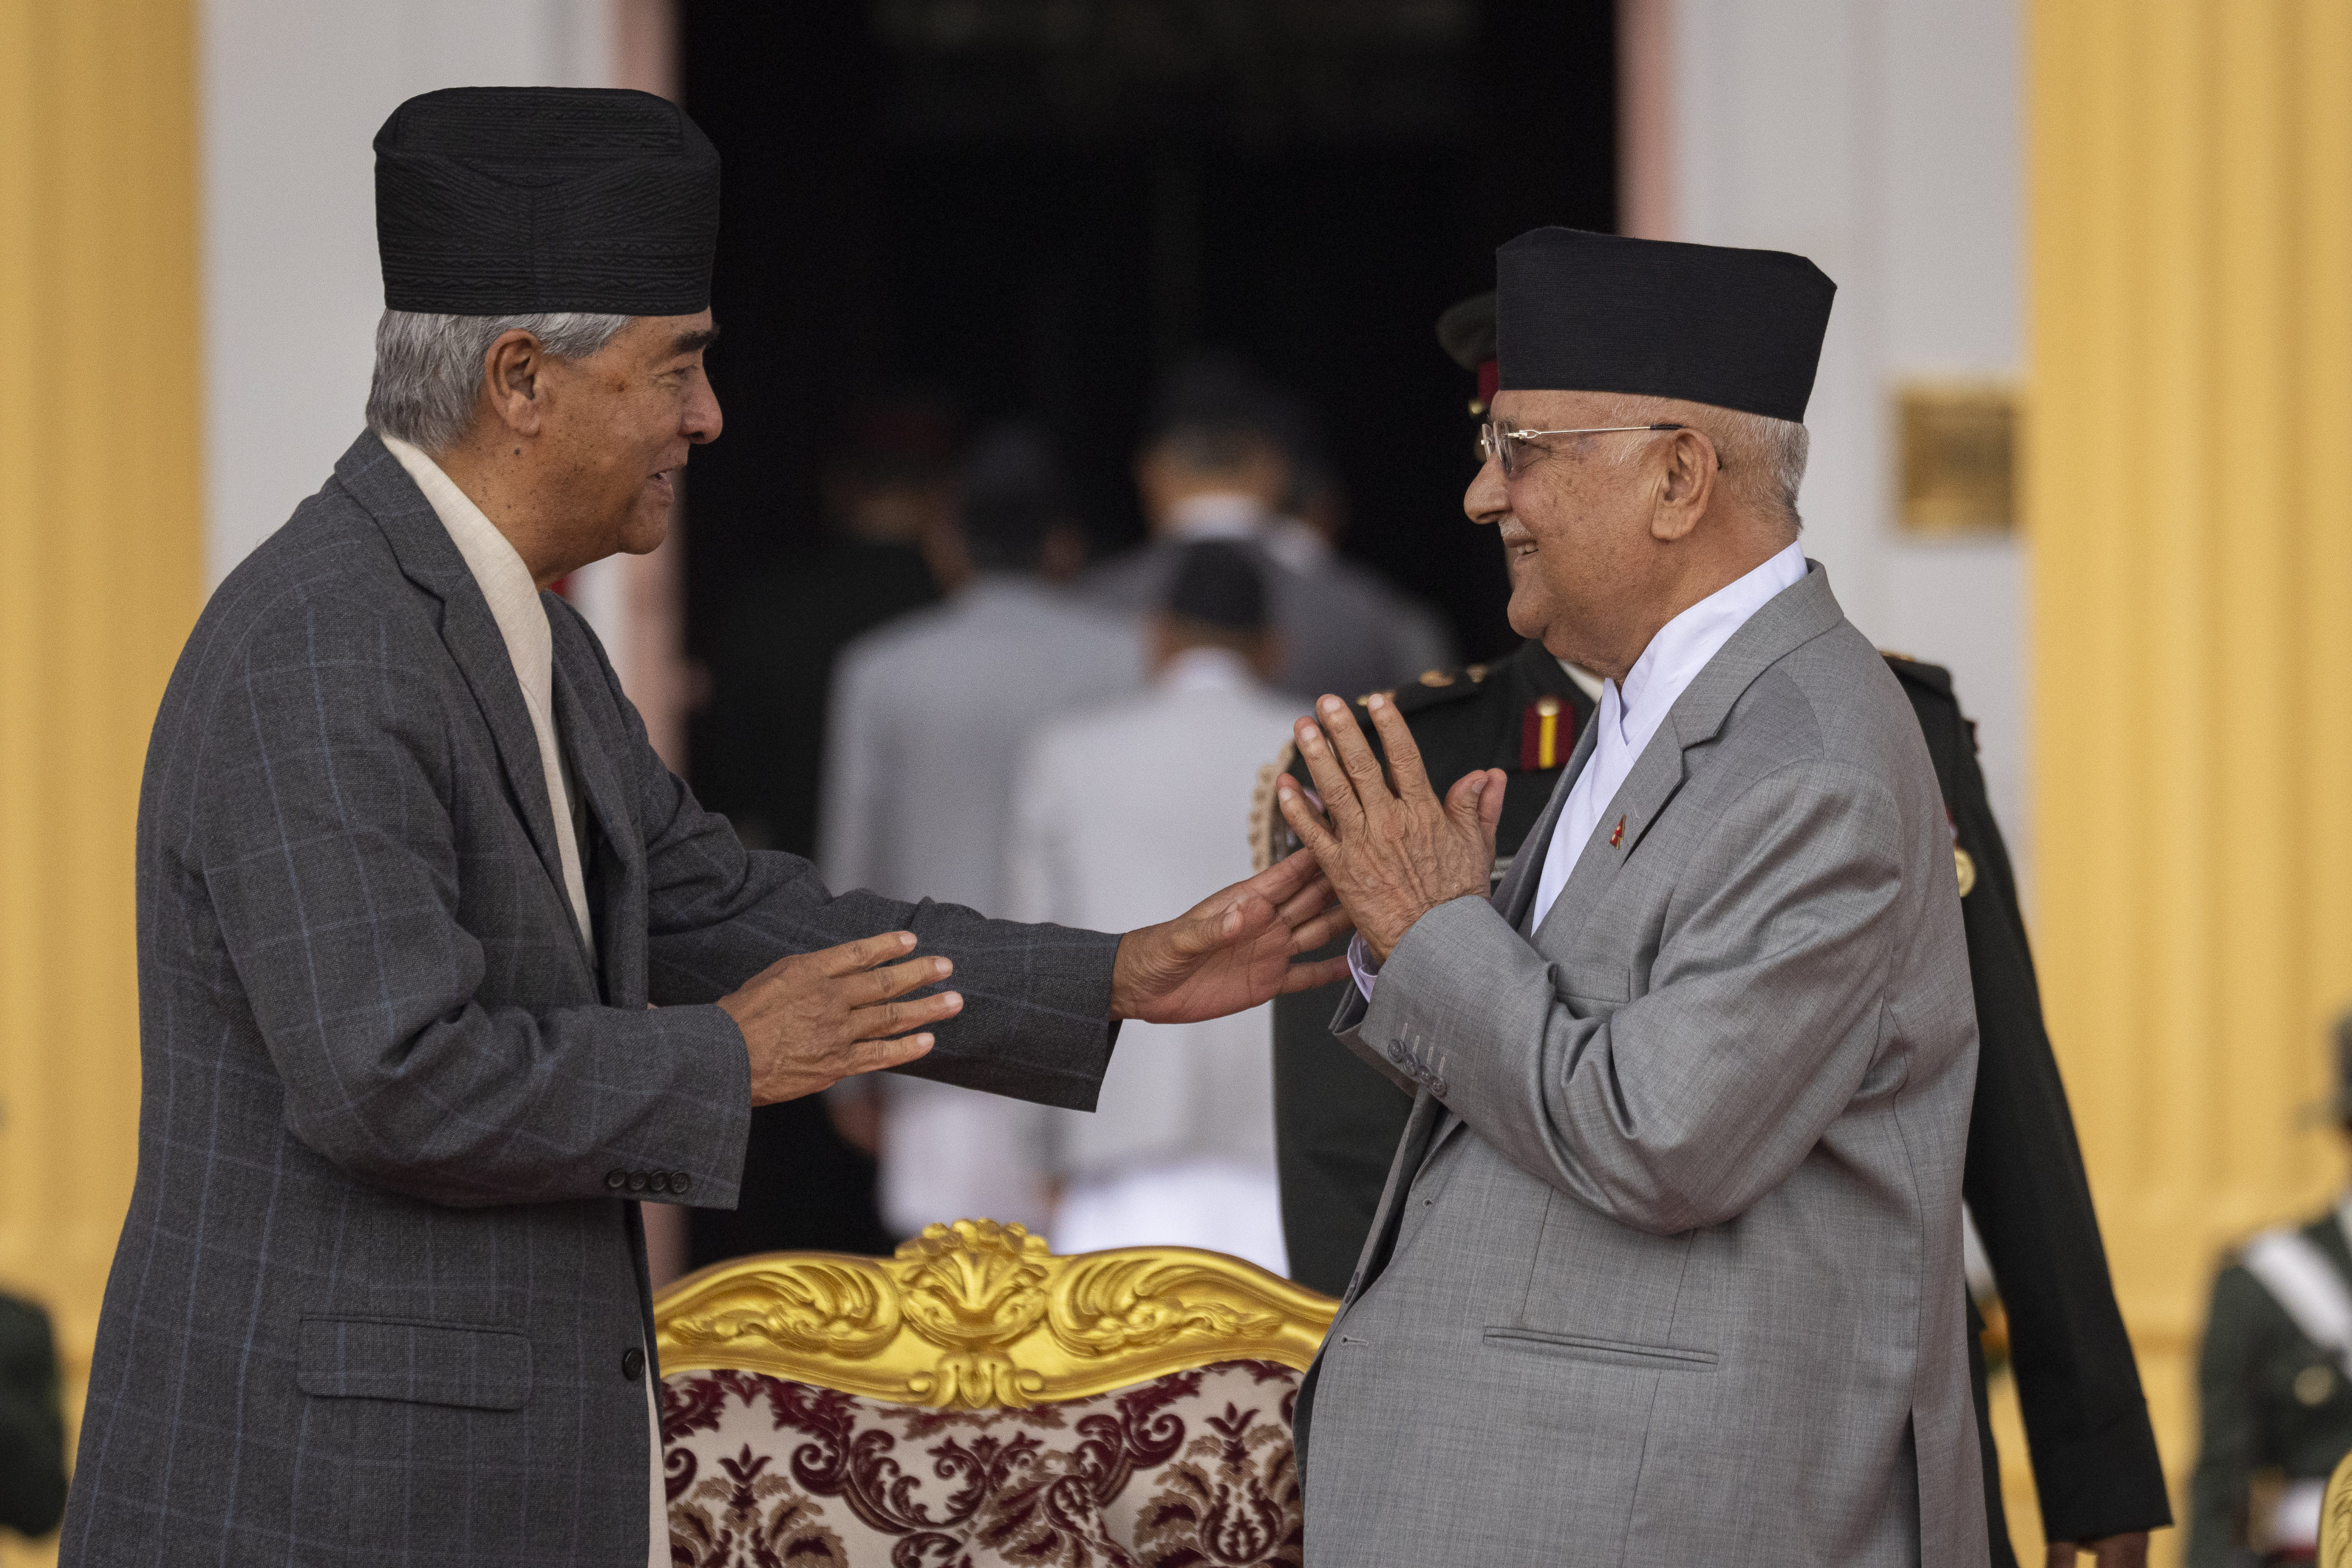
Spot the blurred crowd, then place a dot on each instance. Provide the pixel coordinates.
(949, 700)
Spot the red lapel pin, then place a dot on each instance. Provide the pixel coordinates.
(1617, 834)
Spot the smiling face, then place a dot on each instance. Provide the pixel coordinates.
(1575, 520)
(620, 425)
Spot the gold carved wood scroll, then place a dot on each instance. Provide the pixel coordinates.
(977, 1314)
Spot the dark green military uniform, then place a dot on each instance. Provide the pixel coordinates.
(1336, 1120)
(32, 1426)
(2270, 1401)
(2094, 1460)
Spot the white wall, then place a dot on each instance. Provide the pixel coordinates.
(1882, 138)
(293, 91)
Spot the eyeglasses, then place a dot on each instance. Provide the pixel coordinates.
(1498, 443)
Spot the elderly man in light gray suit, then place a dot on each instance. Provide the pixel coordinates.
(1668, 1266)
(409, 877)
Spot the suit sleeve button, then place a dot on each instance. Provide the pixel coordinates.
(658, 1181)
(636, 1181)
(615, 1180)
(632, 1364)
(678, 1181)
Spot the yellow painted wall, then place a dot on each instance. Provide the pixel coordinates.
(2189, 498)
(100, 552)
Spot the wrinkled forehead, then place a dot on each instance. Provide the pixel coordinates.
(1530, 408)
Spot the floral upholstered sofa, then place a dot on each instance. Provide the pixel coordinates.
(976, 1400)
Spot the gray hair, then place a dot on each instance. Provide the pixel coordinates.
(428, 367)
(1763, 458)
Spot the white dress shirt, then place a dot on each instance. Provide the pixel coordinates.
(1629, 717)
(513, 597)
(1125, 813)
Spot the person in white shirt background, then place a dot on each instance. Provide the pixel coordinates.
(928, 716)
(1228, 455)
(1122, 809)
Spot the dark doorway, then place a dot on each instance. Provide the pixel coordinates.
(1034, 204)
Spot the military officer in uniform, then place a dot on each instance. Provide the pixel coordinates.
(2275, 1401)
(32, 1424)
(1337, 1121)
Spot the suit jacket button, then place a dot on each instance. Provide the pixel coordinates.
(678, 1181)
(632, 1364)
(658, 1181)
(636, 1181)
(615, 1180)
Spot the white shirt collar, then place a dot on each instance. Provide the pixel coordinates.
(1216, 514)
(1206, 669)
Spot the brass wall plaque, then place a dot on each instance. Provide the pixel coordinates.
(1959, 446)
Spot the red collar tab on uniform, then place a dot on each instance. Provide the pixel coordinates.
(1547, 731)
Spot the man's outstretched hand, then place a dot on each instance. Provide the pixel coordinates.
(1393, 853)
(1232, 950)
(815, 1018)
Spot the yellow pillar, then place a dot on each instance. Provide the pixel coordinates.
(2189, 482)
(100, 570)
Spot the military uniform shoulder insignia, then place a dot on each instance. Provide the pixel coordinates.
(1436, 687)
(1269, 834)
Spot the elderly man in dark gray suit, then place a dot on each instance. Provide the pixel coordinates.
(1668, 1266)
(409, 877)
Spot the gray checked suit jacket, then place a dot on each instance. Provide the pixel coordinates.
(381, 1297)
(1668, 1268)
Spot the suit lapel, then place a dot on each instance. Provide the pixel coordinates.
(1657, 774)
(429, 558)
(1518, 887)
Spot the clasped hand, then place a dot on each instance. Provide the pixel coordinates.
(815, 1018)
(1392, 849)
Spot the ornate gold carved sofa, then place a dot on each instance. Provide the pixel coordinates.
(976, 1400)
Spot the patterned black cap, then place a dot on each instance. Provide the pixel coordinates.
(509, 200)
(1577, 312)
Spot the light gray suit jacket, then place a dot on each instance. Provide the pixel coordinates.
(1668, 1268)
(381, 1297)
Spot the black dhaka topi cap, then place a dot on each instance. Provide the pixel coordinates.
(494, 201)
(1577, 312)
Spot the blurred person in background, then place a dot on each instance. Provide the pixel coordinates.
(2275, 1381)
(1221, 459)
(1123, 809)
(928, 716)
(889, 500)
(32, 1424)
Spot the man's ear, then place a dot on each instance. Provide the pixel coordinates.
(512, 368)
(1686, 487)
